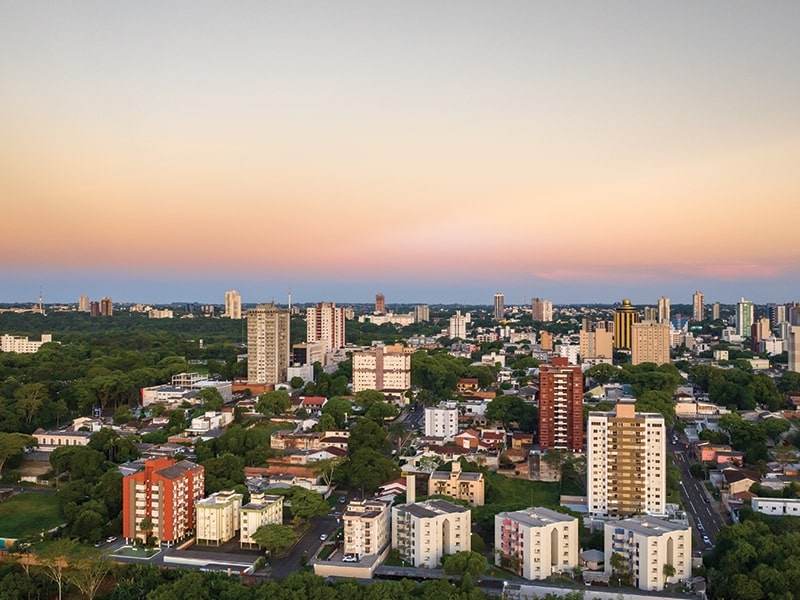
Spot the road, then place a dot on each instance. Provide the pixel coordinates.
(703, 510)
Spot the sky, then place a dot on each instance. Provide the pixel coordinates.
(437, 152)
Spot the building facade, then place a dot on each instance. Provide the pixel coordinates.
(441, 421)
(698, 306)
(596, 343)
(326, 323)
(745, 315)
(458, 484)
(22, 345)
(233, 305)
(422, 313)
(267, 344)
(626, 462)
(560, 406)
(380, 304)
(650, 342)
(423, 532)
(263, 509)
(624, 317)
(160, 500)
(541, 310)
(499, 306)
(217, 518)
(367, 527)
(793, 348)
(83, 304)
(536, 543)
(663, 310)
(382, 370)
(647, 544)
(458, 326)
(106, 307)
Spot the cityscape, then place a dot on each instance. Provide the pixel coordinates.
(409, 300)
(535, 450)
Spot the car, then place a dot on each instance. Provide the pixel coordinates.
(699, 526)
(342, 499)
(707, 540)
(323, 536)
(98, 544)
(350, 559)
(110, 539)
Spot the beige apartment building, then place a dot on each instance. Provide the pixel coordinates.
(217, 518)
(267, 344)
(233, 305)
(626, 462)
(383, 370)
(458, 484)
(536, 542)
(596, 343)
(263, 509)
(423, 532)
(646, 545)
(650, 343)
(367, 528)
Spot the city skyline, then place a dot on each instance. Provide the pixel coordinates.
(433, 152)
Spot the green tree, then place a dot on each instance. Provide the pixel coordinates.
(369, 469)
(275, 538)
(54, 559)
(211, 398)
(366, 433)
(88, 571)
(14, 444)
(467, 563)
(339, 409)
(30, 398)
(307, 503)
(274, 403)
(296, 383)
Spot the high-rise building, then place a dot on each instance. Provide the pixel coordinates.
(106, 307)
(262, 509)
(385, 371)
(650, 313)
(537, 542)
(422, 313)
(267, 344)
(626, 462)
(83, 304)
(325, 323)
(647, 544)
(650, 343)
(499, 306)
(159, 500)
(541, 310)
(217, 518)
(560, 406)
(776, 314)
(441, 421)
(380, 304)
(698, 306)
(624, 317)
(458, 326)
(759, 331)
(94, 309)
(793, 313)
(423, 532)
(663, 309)
(715, 311)
(367, 527)
(233, 305)
(596, 342)
(793, 348)
(745, 315)
(546, 341)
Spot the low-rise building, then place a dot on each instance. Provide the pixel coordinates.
(423, 532)
(367, 527)
(646, 545)
(441, 421)
(217, 518)
(22, 345)
(52, 439)
(458, 484)
(777, 506)
(536, 542)
(263, 509)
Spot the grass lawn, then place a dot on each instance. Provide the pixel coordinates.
(507, 490)
(29, 514)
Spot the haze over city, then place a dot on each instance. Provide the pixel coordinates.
(435, 152)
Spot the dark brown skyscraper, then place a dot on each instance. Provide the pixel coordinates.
(560, 406)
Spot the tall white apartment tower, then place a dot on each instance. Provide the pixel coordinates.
(626, 462)
(698, 306)
(83, 304)
(541, 310)
(663, 309)
(499, 306)
(233, 305)
(325, 323)
(268, 350)
(458, 326)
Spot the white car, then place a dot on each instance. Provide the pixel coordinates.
(350, 559)
(323, 536)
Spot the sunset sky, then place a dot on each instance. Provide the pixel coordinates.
(433, 151)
